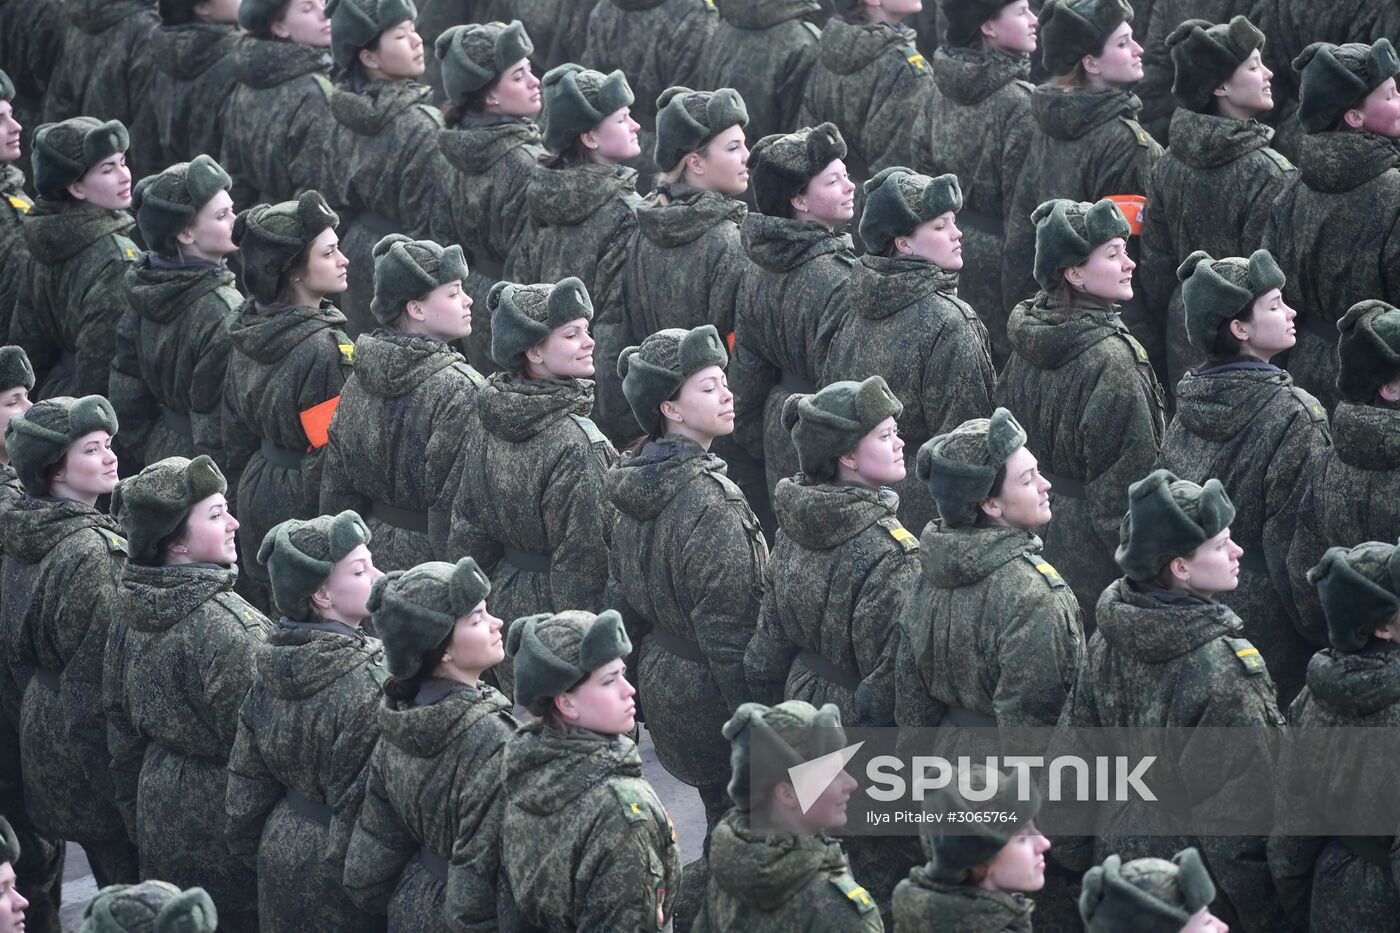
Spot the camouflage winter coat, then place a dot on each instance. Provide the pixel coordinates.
(1162, 658)
(581, 220)
(480, 206)
(14, 252)
(793, 299)
(990, 628)
(1231, 160)
(434, 784)
(286, 85)
(1246, 425)
(1333, 231)
(908, 324)
(1324, 883)
(586, 843)
(686, 571)
(870, 80)
(187, 651)
(31, 39)
(12, 681)
(71, 295)
(61, 566)
(975, 122)
(285, 361)
(172, 349)
(530, 504)
(923, 905)
(1351, 494)
(297, 773)
(396, 441)
(1092, 409)
(558, 28)
(437, 16)
(764, 49)
(772, 882)
(833, 591)
(192, 88)
(1159, 108)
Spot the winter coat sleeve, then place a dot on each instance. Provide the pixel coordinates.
(874, 634)
(958, 377)
(1126, 161)
(228, 667)
(1305, 550)
(1285, 484)
(899, 93)
(324, 380)
(337, 482)
(1015, 146)
(914, 703)
(578, 523)
(1120, 432)
(380, 848)
(451, 430)
(206, 398)
(1157, 266)
(622, 892)
(1039, 659)
(770, 653)
(125, 744)
(474, 883)
(89, 606)
(100, 307)
(31, 329)
(136, 406)
(350, 764)
(252, 791)
(751, 378)
(238, 438)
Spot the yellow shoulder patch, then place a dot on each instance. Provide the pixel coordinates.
(1248, 655)
(1278, 159)
(347, 352)
(1044, 568)
(115, 542)
(1139, 134)
(902, 536)
(634, 806)
(589, 429)
(917, 64)
(1316, 413)
(1138, 349)
(857, 896)
(20, 204)
(324, 83)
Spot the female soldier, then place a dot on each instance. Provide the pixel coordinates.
(794, 295)
(1086, 143)
(385, 165)
(394, 444)
(435, 775)
(581, 199)
(70, 293)
(1337, 884)
(1240, 419)
(14, 205)
(193, 51)
(63, 559)
(290, 359)
(907, 322)
(1150, 895)
(1217, 146)
(1083, 386)
(167, 378)
(308, 726)
(1168, 655)
(283, 81)
(977, 878)
(530, 503)
(975, 122)
(687, 555)
(187, 654)
(773, 861)
(868, 79)
(585, 842)
(490, 142)
(152, 905)
(991, 635)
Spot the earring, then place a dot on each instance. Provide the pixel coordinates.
(180, 549)
(492, 101)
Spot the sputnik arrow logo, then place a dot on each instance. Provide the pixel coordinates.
(811, 778)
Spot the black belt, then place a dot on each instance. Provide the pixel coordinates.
(433, 863)
(407, 519)
(525, 560)
(968, 719)
(1254, 561)
(1064, 486)
(47, 678)
(795, 384)
(280, 456)
(1373, 849)
(983, 222)
(67, 363)
(177, 422)
(680, 647)
(823, 668)
(1327, 330)
(316, 812)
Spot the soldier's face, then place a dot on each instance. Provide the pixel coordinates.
(1020, 865)
(444, 313)
(828, 811)
(517, 92)
(89, 468)
(1250, 88)
(476, 644)
(829, 198)
(345, 593)
(1014, 28)
(1023, 501)
(1212, 568)
(567, 353)
(1270, 329)
(400, 53)
(13, 401)
(704, 405)
(12, 903)
(603, 702)
(878, 460)
(209, 534)
(9, 133)
(938, 241)
(210, 235)
(107, 184)
(1203, 921)
(723, 166)
(1120, 62)
(305, 22)
(327, 269)
(1107, 273)
(613, 141)
(1380, 111)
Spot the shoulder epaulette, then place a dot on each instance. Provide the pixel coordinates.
(1028, 85)
(433, 113)
(1043, 567)
(857, 896)
(1248, 655)
(126, 250)
(589, 429)
(1139, 350)
(1278, 158)
(731, 489)
(474, 377)
(19, 203)
(902, 536)
(1139, 134)
(324, 83)
(813, 28)
(230, 297)
(635, 807)
(967, 310)
(345, 345)
(917, 63)
(115, 542)
(1314, 408)
(237, 607)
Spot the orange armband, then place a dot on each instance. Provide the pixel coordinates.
(316, 422)
(1132, 207)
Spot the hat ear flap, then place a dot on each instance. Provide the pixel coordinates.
(1192, 880)
(348, 531)
(875, 402)
(512, 44)
(792, 411)
(605, 640)
(928, 451)
(515, 638)
(624, 361)
(1381, 62)
(379, 590)
(496, 295)
(568, 301)
(942, 194)
(1191, 264)
(702, 347)
(1264, 272)
(1215, 508)
(743, 716)
(1004, 435)
(314, 214)
(469, 585)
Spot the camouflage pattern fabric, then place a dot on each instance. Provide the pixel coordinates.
(15, 204)
(558, 28)
(923, 905)
(192, 87)
(1159, 107)
(437, 16)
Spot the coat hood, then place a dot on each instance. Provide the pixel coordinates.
(1063, 114)
(545, 772)
(747, 14)
(265, 63)
(515, 409)
(56, 231)
(778, 244)
(367, 110)
(161, 290)
(643, 485)
(1367, 437)
(1049, 336)
(849, 47)
(880, 286)
(956, 557)
(187, 51)
(390, 364)
(1338, 162)
(1154, 626)
(31, 527)
(566, 197)
(153, 599)
(962, 907)
(97, 16)
(1218, 403)
(969, 76)
(11, 178)
(691, 214)
(297, 661)
(477, 143)
(268, 335)
(1202, 140)
(425, 731)
(765, 870)
(821, 516)
(1356, 684)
